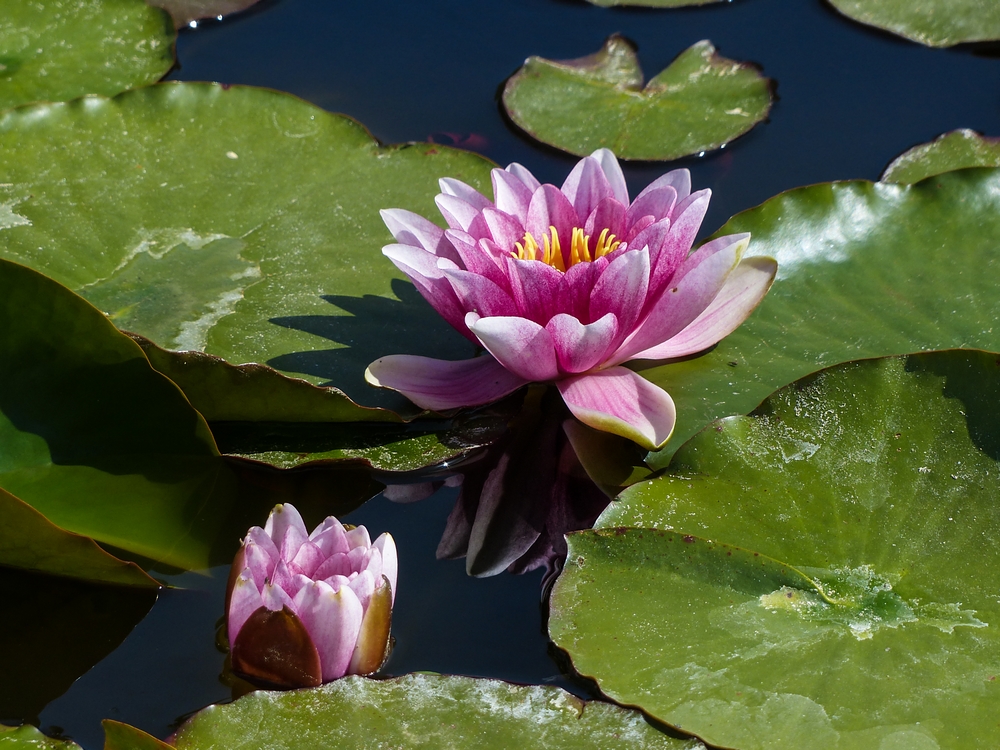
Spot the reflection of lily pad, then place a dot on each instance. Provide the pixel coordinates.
(60, 49)
(958, 149)
(878, 482)
(268, 204)
(936, 23)
(421, 711)
(701, 102)
(864, 270)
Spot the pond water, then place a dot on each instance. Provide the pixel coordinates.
(850, 99)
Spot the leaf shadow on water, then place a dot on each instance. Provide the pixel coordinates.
(373, 327)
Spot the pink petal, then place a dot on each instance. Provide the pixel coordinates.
(363, 587)
(337, 564)
(358, 538)
(282, 520)
(258, 536)
(613, 173)
(387, 547)
(608, 214)
(506, 229)
(258, 563)
(524, 176)
(480, 295)
(275, 598)
(422, 269)
(307, 559)
(333, 621)
(438, 385)
(511, 194)
(409, 228)
(374, 564)
(245, 600)
(586, 186)
(696, 284)
(575, 286)
(520, 345)
(467, 193)
(534, 287)
(281, 576)
(623, 403)
(657, 203)
(743, 291)
(581, 347)
(678, 179)
(550, 208)
(458, 213)
(295, 585)
(621, 289)
(477, 256)
(330, 537)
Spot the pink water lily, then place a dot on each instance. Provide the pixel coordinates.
(303, 609)
(563, 285)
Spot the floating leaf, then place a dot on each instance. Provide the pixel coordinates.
(185, 11)
(29, 738)
(699, 103)
(958, 149)
(56, 50)
(421, 711)
(936, 23)
(864, 270)
(55, 630)
(267, 207)
(874, 485)
(29, 541)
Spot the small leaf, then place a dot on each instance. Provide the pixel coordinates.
(55, 50)
(958, 149)
(273, 648)
(936, 23)
(118, 736)
(429, 711)
(699, 103)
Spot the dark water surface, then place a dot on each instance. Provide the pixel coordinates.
(850, 99)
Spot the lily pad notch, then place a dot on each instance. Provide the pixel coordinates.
(699, 103)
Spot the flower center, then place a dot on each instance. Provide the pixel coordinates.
(551, 251)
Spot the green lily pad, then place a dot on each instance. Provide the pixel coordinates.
(29, 738)
(54, 630)
(864, 270)
(420, 711)
(236, 221)
(958, 149)
(936, 23)
(31, 542)
(185, 11)
(54, 50)
(699, 103)
(822, 573)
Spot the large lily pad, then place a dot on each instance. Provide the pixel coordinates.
(936, 23)
(420, 711)
(822, 573)
(236, 221)
(54, 50)
(699, 103)
(864, 270)
(30, 541)
(29, 738)
(958, 149)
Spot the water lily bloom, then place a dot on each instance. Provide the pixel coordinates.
(563, 285)
(303, 609)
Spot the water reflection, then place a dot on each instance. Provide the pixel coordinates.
(517, 502)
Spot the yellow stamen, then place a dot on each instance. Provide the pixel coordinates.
(551, 252)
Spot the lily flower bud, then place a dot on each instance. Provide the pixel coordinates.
(303, 609)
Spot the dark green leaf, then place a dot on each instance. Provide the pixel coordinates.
(936, 23)
(420, 711)
(236, 221)
(874, 485)
(864, 270)
(958, 149)
(699, 103)
(54, 50)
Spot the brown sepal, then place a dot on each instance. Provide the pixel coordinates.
(372, 649)
(274, 649)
